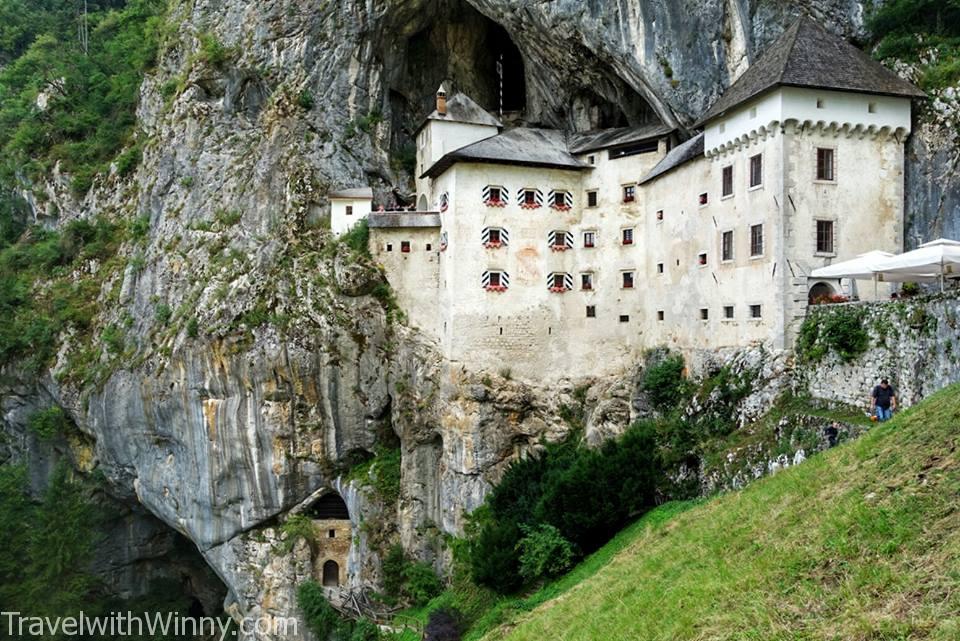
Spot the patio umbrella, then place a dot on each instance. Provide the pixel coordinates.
(940, 258)
(863, 268)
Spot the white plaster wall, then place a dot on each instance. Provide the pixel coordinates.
(800, 104)
(440, 137)
(414, 276)
(340, 222)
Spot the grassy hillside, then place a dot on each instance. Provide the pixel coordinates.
(862, 542)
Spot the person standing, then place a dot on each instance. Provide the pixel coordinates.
(883, 401)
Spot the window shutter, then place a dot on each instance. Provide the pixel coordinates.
(568, 239)
(445, 201)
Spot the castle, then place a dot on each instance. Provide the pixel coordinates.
(557, 255)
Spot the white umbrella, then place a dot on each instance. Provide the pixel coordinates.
(858, 268)
(940, 258)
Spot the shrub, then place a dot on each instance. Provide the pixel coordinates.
(495, 559)
(392, 570)
(49, 423)
(665, 383)
(212, 51)
(306, 100)
(296, 527)
(319, 615)
(193, 328)
(357, 238)
(840, 330)
(163, 313)
(415, 582)
(544, 553)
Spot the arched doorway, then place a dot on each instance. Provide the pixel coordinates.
(422, 204)
(820, 292)
(331, 574)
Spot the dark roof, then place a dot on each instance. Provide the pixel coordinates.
(356, 192)
(520, 146)
(807, 55)
(461, 108)
(581, 143)
(381, 219)
(678, 155)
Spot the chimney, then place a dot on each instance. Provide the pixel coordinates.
(442, 101)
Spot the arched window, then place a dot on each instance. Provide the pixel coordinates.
(329, 506)
(821, 293)
(331, 574)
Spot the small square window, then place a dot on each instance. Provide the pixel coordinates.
(558, 281)
(660, 315)
(702, 258)
(405, 246)
(586, 281)
(627, 280)
(591, 311)
(591, 199)
(592, 160)
(821, 103)
(659, 268)
(727, 181)
(429, 246)
(331, 534)
(726, 245)
(756, 170)
(389, 247)
(703, 199)
(349, 210)
(627, 236)
(495, 193)
(704, 313)
(560, 239)
(624, 318)
(629, 193)
(589, 239)
(659, 214)
(560, 198)
(755, 311)
(728, 311)
(872, 107)
(495, 279)
(493, 236)
(529, 197)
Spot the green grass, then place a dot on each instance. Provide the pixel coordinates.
(861, 542)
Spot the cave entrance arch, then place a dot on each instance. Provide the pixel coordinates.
(330, 506)
(819, 292)
(331, 574)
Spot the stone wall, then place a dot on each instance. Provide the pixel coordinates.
(913, 342)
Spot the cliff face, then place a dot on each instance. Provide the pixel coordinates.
(262, 363)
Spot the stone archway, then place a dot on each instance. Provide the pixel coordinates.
(331, 574)
(422, 205)
(819, 292)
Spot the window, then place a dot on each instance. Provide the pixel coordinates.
(591, 199)
(495, 194)
(591, 311)
(821, 104)
(659, 268)
(727, 181)
(659, 314)
(872, 107)
(389, 247)
(405, 246)
(349, 210)
(589, 239)
(825, 237)
(756, 311)
(559, 239)
(624, 318)
(825, 164)
(756, 240)
(627, 236)
(704, 313)
(659, 214)
(429, 246)
(331, 534)
(558, 281)
(726, 245)
(592, 160)
(586, 281)
(529, 197)
(728, 312)
(629, 193)
(494, 236)
(756, 170)
(702, 258)
(703, 199)
(627, 280)
(494, 279)
(559, 199)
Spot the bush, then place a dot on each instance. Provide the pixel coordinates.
(544, 553)
(306, 100)
(665, 383)
(414, 582)
(357, 238)
(840, 330)
(49, 423)
(322, 620)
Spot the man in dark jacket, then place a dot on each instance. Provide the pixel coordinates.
(883, 401)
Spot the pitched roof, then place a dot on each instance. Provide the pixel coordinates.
(380, 219)
(462, 108)
(583, 142)
(807, 55)
(356, 192)
(677, 156)
(520, 146)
